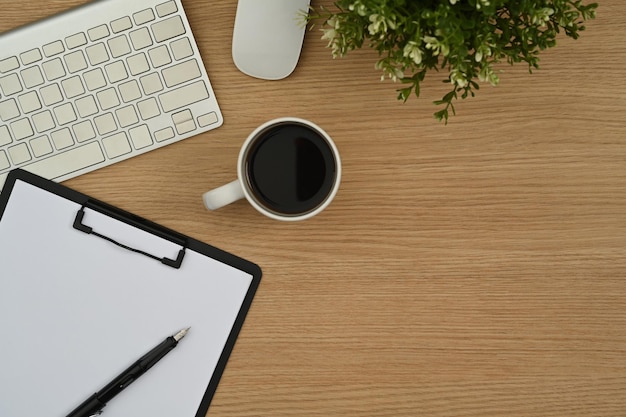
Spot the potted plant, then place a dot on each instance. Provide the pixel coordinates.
(465, 39)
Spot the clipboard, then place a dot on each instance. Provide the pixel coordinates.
(86, 289)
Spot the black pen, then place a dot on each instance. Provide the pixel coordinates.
(93, 405)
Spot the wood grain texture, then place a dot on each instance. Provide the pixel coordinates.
(474, 269)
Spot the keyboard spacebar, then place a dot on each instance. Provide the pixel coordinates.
(67, 162)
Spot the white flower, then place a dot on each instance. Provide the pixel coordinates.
(431, 42)
(388, 70)
(453, 2)
(458, 78)
(487, 74)
(378, 23)
(542, 15)
(330, 34)
(397, 73)
(481, 3)
(436, 46)
(412, 50)
(359, 7)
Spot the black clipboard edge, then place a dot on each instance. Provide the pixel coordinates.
(9, 183)
(229, 346)
(192, 244)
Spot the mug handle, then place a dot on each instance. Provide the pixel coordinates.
(224, 195)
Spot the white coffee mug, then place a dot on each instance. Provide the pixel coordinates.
(288, 169)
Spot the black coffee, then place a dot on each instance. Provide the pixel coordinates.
(291, 169)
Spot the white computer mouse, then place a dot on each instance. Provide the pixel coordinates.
(268, 36)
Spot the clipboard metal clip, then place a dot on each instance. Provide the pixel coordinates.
(135, 221)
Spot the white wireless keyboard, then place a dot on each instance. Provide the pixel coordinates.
(100, 84)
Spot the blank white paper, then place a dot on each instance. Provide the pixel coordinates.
(76, 310)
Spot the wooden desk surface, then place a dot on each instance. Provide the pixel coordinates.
(474, 269)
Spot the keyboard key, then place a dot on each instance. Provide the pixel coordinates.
(184, 96)
(43, 121)
(68, 161)
(54, 69)
(105, 123)
(140, 38)
(184, 122)
(143, 16)
(31, 56)
(76, 40)
(84, 131)
(108, 99)
(129, 91)
(181, 73)
(148, 108)
(121, 24)
(207, 119)
(10, 84)
(9, 64)
(116, 71)
(181, 48)
(51, 94)
(126, 116)
(151, 83)
(73, 87)
(19, 154)
(116, 145)
(65, 114)
(53, 48)
(99, 32)
(32, 77)
(8, 110)
(62, 138)
(182, 116)
(5, 136)
(40, 146)
(29, 102)
(166, 9)
(22, 129)
(97, 54)
(119, 46)
(4, 160)
(86, 106)
(160, 56)
(164, 134)
(168, 28)
(94, 79)
(75, 61)
(138, 64)
(140, 137)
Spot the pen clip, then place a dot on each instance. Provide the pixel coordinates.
(96, 414)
